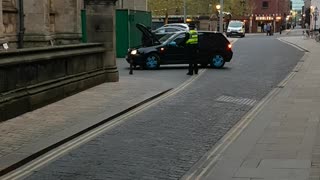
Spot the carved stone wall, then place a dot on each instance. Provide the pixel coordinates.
(1, 24)
(9, 20)
(47, 22)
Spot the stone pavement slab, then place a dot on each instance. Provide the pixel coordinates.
(282, 141)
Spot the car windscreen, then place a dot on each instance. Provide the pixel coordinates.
(165, 37)
(235, 24)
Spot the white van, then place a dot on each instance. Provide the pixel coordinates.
(236, 28)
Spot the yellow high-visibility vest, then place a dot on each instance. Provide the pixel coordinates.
(193, 39)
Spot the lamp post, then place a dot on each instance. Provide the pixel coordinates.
(315, 17)
(184, 11)
(218, 7)
(221, 17)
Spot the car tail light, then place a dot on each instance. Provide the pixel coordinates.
(229, 46)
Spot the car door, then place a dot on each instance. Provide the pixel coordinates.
(175, 53)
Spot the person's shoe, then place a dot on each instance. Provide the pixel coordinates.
(190, 74)
(196, 72)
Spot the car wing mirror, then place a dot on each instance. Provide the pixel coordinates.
(173, 44)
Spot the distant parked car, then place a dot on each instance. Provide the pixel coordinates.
(160, 32)
(180, 25)
(214, 49)
(236, 28)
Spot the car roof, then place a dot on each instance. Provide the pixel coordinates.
(175, 27)
(235, 21)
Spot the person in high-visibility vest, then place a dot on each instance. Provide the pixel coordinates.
(191, 50)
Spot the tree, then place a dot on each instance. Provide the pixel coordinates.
(165, 7)
(204, 7)
(239, 8)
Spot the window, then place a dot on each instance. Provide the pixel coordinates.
(160, 31)
(171, 30)
(180, 39)
(265, 4)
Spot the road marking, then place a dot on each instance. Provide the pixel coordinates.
(241, 101)
(212, 157)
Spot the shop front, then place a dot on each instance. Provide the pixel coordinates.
(259, 21)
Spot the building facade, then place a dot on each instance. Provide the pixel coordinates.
(40, 22)
(269, 11)
(314, 14)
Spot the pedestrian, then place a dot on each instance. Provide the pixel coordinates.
(280, 30)
(264, 28)
(268, 29)
(191, 50)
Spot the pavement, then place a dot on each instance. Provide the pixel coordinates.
(276, 140)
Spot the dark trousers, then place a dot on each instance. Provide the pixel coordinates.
(192, 57)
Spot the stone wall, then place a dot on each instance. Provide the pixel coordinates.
(31, 78)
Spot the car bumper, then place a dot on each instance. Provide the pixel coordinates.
(228, 56)
(233, 33)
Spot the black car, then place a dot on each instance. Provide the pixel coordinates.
(214, 49)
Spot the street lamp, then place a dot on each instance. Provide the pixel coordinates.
(218, 9)
(184, 11)
(221, 17)
(315, 17)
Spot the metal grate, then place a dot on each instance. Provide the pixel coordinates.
(242, 101)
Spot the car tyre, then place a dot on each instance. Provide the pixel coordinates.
(217, 61)
(152, 61)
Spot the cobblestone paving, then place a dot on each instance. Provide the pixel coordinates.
(48, 121)
(166, 140)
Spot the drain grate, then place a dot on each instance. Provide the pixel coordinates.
(245, 101)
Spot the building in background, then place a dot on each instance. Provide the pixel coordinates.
(273, 12)
(314, 14)
(45, 22)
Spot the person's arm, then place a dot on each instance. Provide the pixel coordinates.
(186, 38)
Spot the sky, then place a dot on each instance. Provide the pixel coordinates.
(297, 4)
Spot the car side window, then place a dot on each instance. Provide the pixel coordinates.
(180, 39)
(160, 30)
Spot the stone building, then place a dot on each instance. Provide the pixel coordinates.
(45, 22)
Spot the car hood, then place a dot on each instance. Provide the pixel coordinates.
(234, 28)
(148, 38)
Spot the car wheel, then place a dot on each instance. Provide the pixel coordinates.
(217, 61)
(152, 61)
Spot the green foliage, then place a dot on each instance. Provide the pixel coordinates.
(200, 7)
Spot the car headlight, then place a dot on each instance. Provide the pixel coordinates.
(240, 30)
(133, 52)
(228, 30)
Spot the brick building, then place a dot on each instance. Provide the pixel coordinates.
(269, 11)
